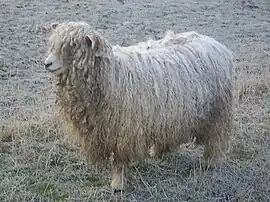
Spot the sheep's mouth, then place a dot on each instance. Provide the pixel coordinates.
(52, 70)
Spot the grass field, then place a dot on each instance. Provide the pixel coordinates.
(37, 164)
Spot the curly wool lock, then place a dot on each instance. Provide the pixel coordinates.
(155, 96)
(169, 39)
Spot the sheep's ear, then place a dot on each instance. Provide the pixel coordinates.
(96, 45)
(92, 41)
(54, 25)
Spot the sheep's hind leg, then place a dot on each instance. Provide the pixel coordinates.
(217, 146)
(212, 156)
(157, 150)
(153, 151)
(118, 177)
(215, 136)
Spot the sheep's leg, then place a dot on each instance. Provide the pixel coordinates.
(157, 150)
(153, 151)
(118, 177)
(212, 155)
(215, 148)
(214, 134)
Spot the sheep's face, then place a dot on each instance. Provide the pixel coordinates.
(73, 46)
(62, 51)
(53, 64)
(67, 48)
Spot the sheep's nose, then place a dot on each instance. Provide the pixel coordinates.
(48, 64)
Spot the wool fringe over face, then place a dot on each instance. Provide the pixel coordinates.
(158, 94)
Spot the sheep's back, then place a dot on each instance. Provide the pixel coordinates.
(176, 81)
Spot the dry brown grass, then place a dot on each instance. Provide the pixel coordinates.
(36, 164)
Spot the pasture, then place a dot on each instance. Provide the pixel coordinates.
(38, 164)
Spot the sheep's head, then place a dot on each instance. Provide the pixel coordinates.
(74, 45)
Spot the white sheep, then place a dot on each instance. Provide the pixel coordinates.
(127, 101)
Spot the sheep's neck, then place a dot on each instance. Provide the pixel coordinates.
(77, 93)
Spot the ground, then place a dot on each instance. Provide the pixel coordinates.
(38, 165)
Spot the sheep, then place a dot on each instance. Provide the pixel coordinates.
(131, 103)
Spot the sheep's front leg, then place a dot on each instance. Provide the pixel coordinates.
(118, 177)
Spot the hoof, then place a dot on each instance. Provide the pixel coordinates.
(206, 167)
(115, 191)
(213, 164)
